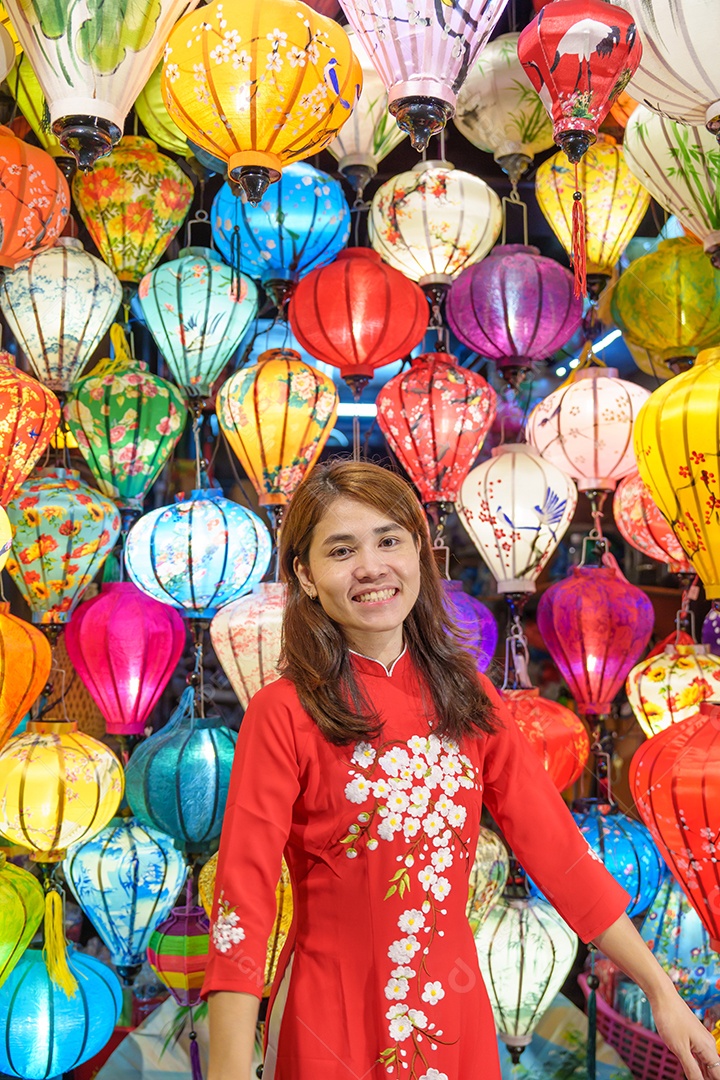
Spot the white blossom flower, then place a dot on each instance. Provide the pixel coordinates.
(440, 888)
(396, 1010)
(398, 801)
(393, 760)
(226, 930)
(403, 949)
(443, 805)
(418, 744)
(384, 831)
(433, 992)
(400, 1028)
(426, 877)
(381, 788)
(457, 817)
(358, 790)
(433, 1074)
(417, 1018)
(432, 824)
(364, 754)
(434, 777)
(450, 785)
(296, 57)
(411, 827)
(442, 859)
(394, 821)
(411, 921)
(402, 972)
(451, 745)
(451, 766)
(397, 989)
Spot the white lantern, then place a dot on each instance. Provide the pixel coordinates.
(246, 638)
(586, 427)
(499, 111)
(668, 688)
(516, 508)
(432, 222)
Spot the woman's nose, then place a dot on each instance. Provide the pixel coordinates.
(370, 564)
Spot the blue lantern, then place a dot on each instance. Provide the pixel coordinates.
(126, 879)
(625, 847)
(44, 1033)
(680, 942)
(177, 780)
(199, 554)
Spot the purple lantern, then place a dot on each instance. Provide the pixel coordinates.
(711, 631)
(474, 620)
(515, 307)
(596, 626)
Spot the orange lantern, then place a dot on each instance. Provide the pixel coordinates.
(558, 736)
(34, 200)
(30, 414)
(25, 662)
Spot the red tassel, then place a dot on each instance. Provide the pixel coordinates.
(578, 240)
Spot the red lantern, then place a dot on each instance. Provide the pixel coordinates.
(34, 200)
(125, 646)
(643, 526)
(435, 417)
(30, 414)
(557, 735)
(675, 781)
(358, 314)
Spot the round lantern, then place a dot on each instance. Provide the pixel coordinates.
(675, 782)
(435, 416)
(199, 554)
(516, 508)
(178, 953)
(488, 875)
(92, 65)
(22, 82)
(126, 879)
(30, 414)
(432, 222)
(177, 780)
(478, 629)
(154, 117)
(357, 313)
(64, 531)
(34, 200)
(302, 222)
(25, 662)
(515, 307)
(586, 427)
(132, 203)
(668, 688)
(197, 310)
(268, 61)
(499, 112)
(676, 447)
(43, 1032)
(246, 638)
(557, 735)
(125, 647)
(596, 626)
(59, 305)
(710, 635)
(60, 786)
(651, 363)
(22, 904)
(626, 848)
(277, 416)
(643, 526)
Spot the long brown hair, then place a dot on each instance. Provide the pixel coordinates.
(314, 652)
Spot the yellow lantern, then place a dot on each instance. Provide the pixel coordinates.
(259, 84)
(676, 446)
(7, 25)
(155, 118)
(615, 204)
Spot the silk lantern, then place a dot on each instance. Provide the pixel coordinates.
(126, 879)
(22, 82)
(675, 782)
(22, 904)
(25, 662)
(34, 200)
(640, 523)
(357, 314)
(625, 847)
(476, 623)
(132, 203)
(225, 86)
(585, 427)
(30, 414)
(676, 448)
(199, 554)
(710, 634)
(668, 688)
(64, 531)
(557, 735)
(277, 416)
(435, 416)
(6, 535)
(125, 647)
(154, 117)
(7, 27)
(59, 305)
(516, 508)
(92, 64)
(178, 953)
(246, 638)
(488, 875)
(595, 626)
(197, 310)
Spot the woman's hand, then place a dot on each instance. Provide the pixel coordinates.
(682, 1032)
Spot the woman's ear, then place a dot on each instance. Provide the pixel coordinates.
(303, 575)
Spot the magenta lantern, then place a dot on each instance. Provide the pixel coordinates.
(596, 626)
(476, 622)
(125, 646)
(515, 307)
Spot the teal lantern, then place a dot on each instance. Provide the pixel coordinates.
(126, 879)
(177, 780)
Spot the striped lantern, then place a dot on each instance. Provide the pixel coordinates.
(25, 663)
(557, 734)
(246, 638)
(30, 414)
(178, 953)
(22, 904)
(643, 526)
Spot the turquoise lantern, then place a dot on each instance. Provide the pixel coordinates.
(44, 1033)
(625, 847)
(302, 222)
(178, 779)
(126, 879)
(197, 310)
(199, 554)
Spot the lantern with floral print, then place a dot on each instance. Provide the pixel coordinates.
(25, 662)
(277, 416)
(246, 638)
(488, 876)
(557, 734)
(625, 847)
(64, 531)
(34, 200)
(307, 73)
(435, 416)
(478, 629)
(197, 310)
(668, 688)
(132, 203)
(30, 414)
(155, 118)
(22, 904)
(643, 526)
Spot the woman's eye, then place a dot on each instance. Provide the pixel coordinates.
(339, 553)
(390, 541)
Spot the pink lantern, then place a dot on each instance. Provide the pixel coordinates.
(125, 646)
(596, 626)
(246, 638)
(557, 735)
(643, 526)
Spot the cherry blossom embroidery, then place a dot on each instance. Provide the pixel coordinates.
(226, 930)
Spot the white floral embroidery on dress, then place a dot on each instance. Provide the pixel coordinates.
(226, 930)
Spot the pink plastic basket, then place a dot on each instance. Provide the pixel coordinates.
(644, 1052)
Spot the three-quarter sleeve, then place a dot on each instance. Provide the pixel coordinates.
(264, 786)
(540, 829)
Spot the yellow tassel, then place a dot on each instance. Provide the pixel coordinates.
(55, 950)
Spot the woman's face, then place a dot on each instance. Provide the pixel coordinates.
(365, 568)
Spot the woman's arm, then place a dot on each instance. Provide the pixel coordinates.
(233, 1018)
(678, 1027)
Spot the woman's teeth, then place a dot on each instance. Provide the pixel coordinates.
(374, 597)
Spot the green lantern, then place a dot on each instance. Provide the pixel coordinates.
(156, 120)
(22, 905)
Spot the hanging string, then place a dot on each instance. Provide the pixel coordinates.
(578, 240)
(196, 679)
(442, 144)
(235, 257)
(597, 502)
(685, 618)
(593, 983)
(517, 657)
(514, 200)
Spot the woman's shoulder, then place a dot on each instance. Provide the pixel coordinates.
(279, 698)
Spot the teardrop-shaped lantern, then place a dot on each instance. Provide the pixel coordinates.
(478, 629)
(488, 875)
(625, 847)
(34, 200)
(133, 202)
(277, 416)
(30, 414)
(435, 416)
(22, 82)
(643, 526)
(59, 305)
(516, 508)
(22, 904)
(178, 953)
(64, 531)
(557, 735)
(246, 638)
(25, 662)
(154, 117)
(197, 310)
(125, 647)
(668, 688)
